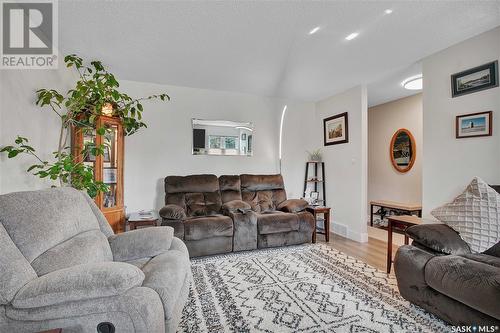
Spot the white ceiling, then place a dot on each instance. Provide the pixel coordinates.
(389, 88)
(263, 47)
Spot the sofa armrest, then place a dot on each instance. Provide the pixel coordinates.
(81, 282)
(172, 212)
(236, 206)
(438, 237)
(141, 243)
(293, 205)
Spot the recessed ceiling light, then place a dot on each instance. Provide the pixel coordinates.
(388, 11)
(413, 82)
(352, 36)
(313, 31)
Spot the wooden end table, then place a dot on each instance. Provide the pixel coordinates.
(137, 220)
(399, 224)
(315, 210)
(405, 208)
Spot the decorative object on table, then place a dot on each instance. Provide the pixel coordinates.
(393, 208)
(315, 155)
(324, 222)
(403, 150)
(314, 197)
(143, 218)
(474, 125)
(336, 129)
(311, 182)
(315, 289)
(475, 214)
(475, 79)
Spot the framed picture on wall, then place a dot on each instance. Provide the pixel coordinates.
(474, 125)
(475, 79)
(336, 129)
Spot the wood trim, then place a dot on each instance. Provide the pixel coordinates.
(490, 121)
(414, 151)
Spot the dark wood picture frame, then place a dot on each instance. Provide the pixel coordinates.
(413, 151)
(487, 114)
(346, 129)
(492, 67)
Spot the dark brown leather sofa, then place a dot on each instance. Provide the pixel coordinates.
(439, 273)
(234, 213)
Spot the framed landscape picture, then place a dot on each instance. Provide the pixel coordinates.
(475, 79)
(474, 125)
(335, 129)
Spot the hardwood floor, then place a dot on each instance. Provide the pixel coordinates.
(374, 252)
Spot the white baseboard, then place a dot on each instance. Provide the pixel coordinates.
(344, 231)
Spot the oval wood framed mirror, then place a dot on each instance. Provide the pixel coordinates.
(403, 150)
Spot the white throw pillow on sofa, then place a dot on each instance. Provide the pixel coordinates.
(475, 214)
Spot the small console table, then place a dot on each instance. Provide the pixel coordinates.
(315, 210)
(408, 209)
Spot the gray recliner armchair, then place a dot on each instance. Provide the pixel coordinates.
(61, 266)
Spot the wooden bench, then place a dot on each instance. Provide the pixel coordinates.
(405, 208)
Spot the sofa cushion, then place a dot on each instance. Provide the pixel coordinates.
(172, 212)
(276, 222)
(15, 270)
(474, 283)
(85, 248)
(208, 226)
(293, 205)
(230, 188)
(141, 243)
(234, 206)
(475, 214)
(78, 283)
(37, 221)
(166, 274)
(438, 237)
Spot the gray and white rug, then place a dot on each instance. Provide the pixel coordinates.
(308, 288)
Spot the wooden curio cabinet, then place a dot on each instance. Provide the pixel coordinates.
(108, 168)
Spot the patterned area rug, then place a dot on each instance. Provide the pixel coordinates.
(308, 288)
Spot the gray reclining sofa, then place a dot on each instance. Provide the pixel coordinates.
(234, 213)
(439, 273)
(61, 266)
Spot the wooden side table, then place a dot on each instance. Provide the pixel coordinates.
(398, 224)
(137, 220)
(315, 210)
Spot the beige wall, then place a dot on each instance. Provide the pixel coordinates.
(384, 182)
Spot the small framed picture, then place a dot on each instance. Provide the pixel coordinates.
(109, 175)
(474, 125)
(475, 79)
(314, 197)
(335, 129)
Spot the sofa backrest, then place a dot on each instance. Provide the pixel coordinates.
(262, 192)
(230, 188)
(55, 228)
(199, 195)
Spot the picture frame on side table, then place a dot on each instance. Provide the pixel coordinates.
(474, 125)
(475, 79)
(336, 129)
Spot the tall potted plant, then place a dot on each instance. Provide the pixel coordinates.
(95, 90)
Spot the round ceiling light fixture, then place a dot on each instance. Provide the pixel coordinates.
(413, 82)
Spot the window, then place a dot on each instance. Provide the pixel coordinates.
(222, 142)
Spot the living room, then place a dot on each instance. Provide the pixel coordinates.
(219, 163)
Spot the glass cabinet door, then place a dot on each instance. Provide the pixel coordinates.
(110, 165)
